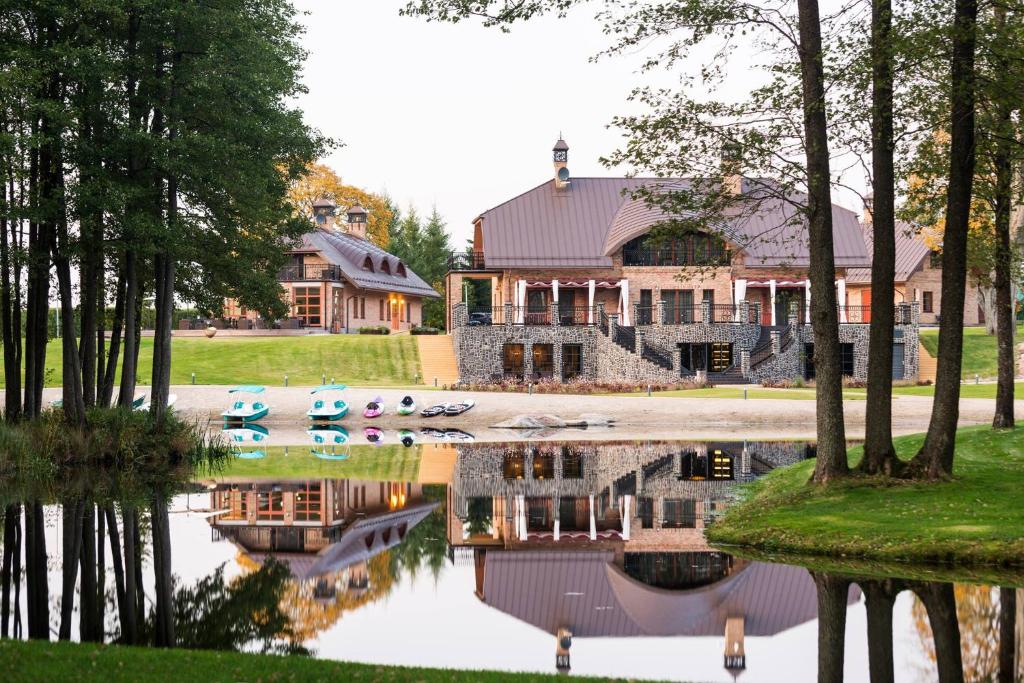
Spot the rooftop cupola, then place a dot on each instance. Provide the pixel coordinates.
(324, 213)
(560, 157)
(357, 221)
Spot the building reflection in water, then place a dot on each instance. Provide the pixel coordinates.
(329, 532)
(606, 540)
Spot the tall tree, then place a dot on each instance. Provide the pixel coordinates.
(935, 459)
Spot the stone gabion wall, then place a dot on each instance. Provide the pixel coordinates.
(785, 365)
(859, 336)
(616, 363)
(666, 337)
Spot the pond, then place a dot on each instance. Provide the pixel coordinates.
(544, 556)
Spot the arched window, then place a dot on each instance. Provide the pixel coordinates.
(385, 267)
(698, 249)
(368, 264)
(400, 270)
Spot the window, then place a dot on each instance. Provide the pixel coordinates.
(512, 360)
(689, 250)
(368, 264)
(572, 463)
(306, 305)
(543, 466)
(385, 267)
(572, 361)
(846, 359)
(408, 312)
(679, 513)
(269, 505)
(362, 307)
(709, 297)
(543, 360)
(678, 306)
(926, 302)
(400, 270)
(721, 356)
(307, 503)
(381, 314)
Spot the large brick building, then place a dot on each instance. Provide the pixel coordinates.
(578, 288)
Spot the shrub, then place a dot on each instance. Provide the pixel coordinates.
(423, 329)
(375, 329)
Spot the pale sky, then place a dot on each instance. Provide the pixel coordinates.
(460, 116)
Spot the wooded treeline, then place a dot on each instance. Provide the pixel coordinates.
(146, 148)
(917, 94)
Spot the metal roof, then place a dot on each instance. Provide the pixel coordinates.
(910, 253)
(585, 592)
(349, 253)
(580, 225)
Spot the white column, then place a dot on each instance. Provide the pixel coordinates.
(841, 296)
(739, 293)
(591, 285)
(917, 294)
(520, 300)
(495, 294)
(771, 300)
(593, 521)
(626, 512)
(522, 518)
(558, 526)
(807, 301)
(554, 291)
(624, 305)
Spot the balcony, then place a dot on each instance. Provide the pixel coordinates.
(310, 272)
(466, 260)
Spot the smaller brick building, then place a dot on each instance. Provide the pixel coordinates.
(338, 281)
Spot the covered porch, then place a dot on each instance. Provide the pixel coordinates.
(777, 296)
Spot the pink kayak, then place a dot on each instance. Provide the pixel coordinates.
(374, 408)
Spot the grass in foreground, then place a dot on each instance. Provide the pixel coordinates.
(979, 350)
(757, 393)
(349, 359)
(391, 462)
(37, 661)
(975, 519)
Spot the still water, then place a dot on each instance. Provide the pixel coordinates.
(580, 557)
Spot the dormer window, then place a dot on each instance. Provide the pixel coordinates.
(385, 267)
(368, 264)
(400, 270)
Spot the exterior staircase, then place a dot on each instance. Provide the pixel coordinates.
(732, 375)
(437, 359)
(926, 364)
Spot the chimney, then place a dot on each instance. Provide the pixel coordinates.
(324, 214)
(732, 168)
(560, 156)
(357, 221)
(869, 209)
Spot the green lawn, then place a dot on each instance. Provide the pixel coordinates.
(756, 393)
(37, 661)
(349, 359)
(979, 349)
(391, 462)
(975, 519)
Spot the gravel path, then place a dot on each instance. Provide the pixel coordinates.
(637, 417)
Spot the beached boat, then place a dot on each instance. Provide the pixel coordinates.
(434, 411)
(406, 406)
(374, 408)
(144, 402)
(247, 406)
(407, 437)
(327, 403)
(459, 408)
(374, 435)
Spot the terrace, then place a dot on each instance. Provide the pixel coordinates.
(310, 272)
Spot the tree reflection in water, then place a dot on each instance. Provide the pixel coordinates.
(967, 632)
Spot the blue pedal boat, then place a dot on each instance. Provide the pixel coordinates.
(247, 406)
(327, 406)
(246, 441)
(325, 439)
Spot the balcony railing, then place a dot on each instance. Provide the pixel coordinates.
(309, 273)
(674, 256)
(462, 260)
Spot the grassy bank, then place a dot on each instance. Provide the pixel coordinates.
(979, 349)
(113, 664)
(390, 462)
(975, 519)
(349, 359)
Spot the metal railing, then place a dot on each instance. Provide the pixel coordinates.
(786, 340)
(602, 322)
(466, 260)
(674, 256)
(576, 315)
(683, 314)
(902, 315)
(626, 338)
(309, 272)
(761, 353)
(486, 315)
(657, 357)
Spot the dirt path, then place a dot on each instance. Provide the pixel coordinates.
(637, 417)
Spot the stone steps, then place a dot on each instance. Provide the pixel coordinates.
(437, 359)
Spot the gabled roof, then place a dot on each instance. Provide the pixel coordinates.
(349, 253)
(911, 252)
(583, 224)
